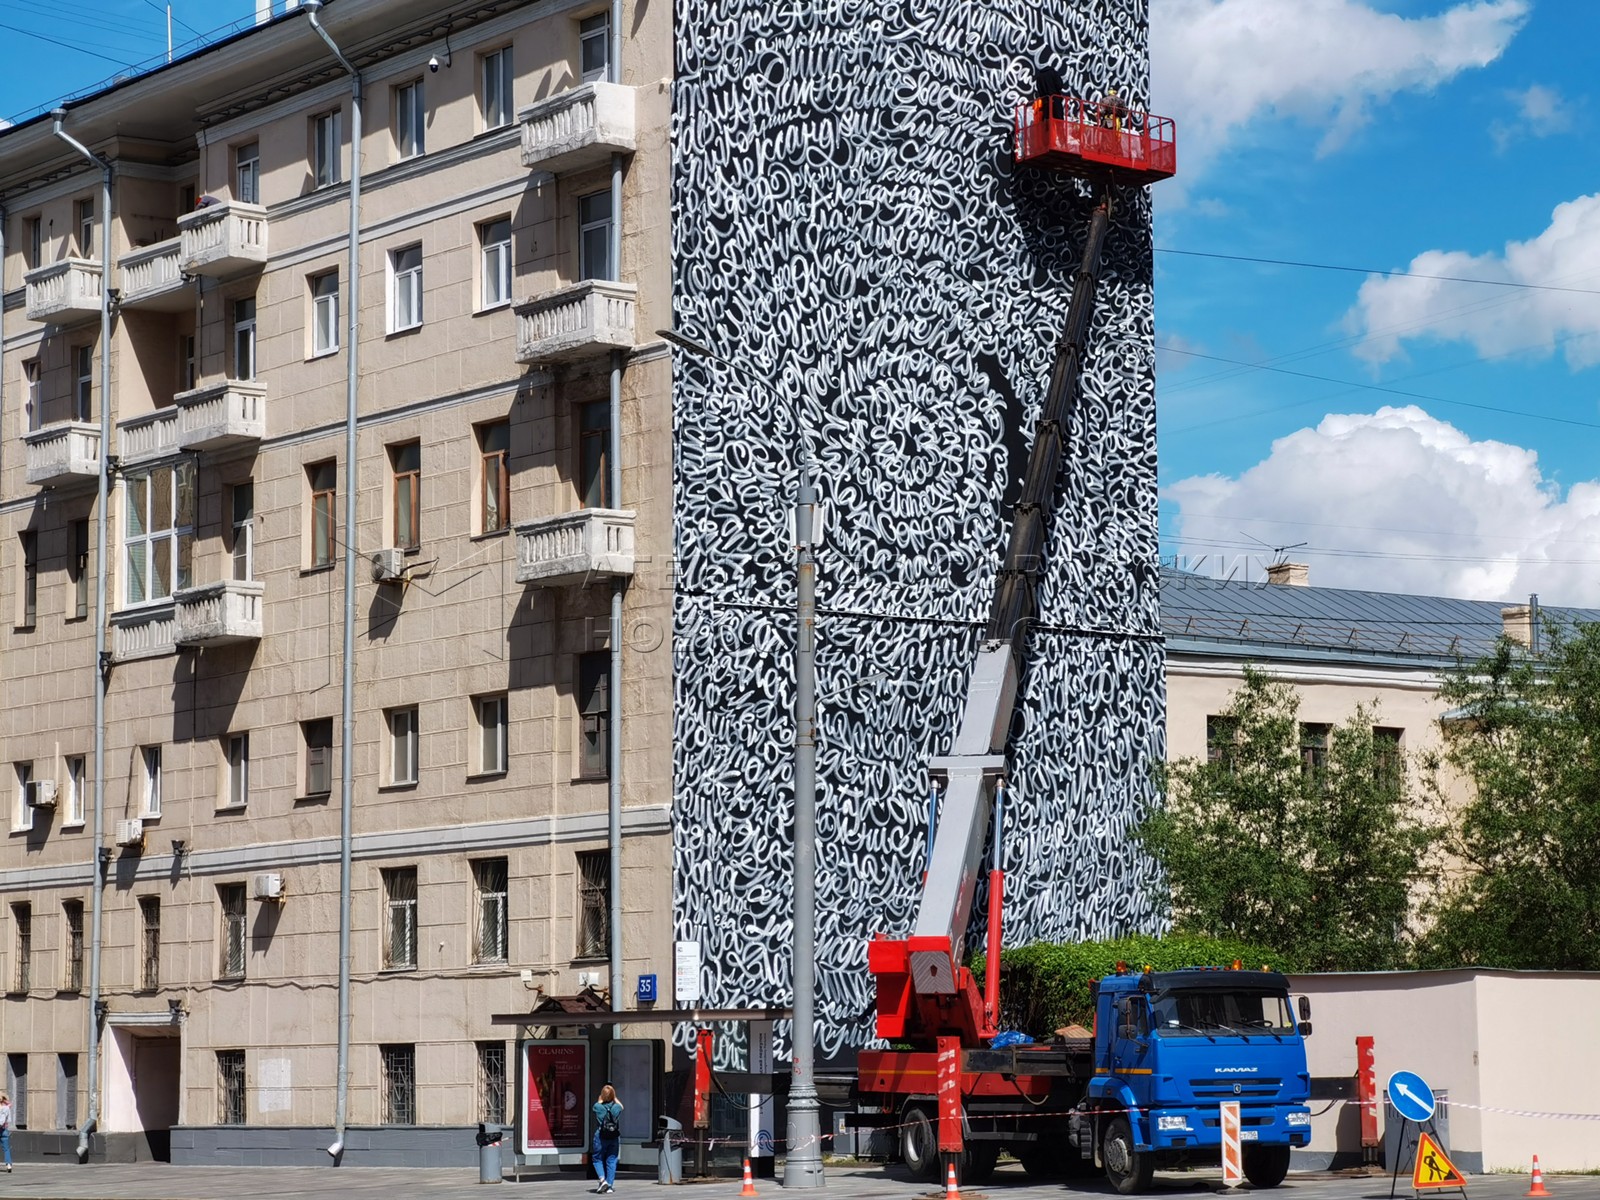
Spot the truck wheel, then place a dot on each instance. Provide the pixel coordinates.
(919, 1147)
(1265, 1166)
(1127, 1169)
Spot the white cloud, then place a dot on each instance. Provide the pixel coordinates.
(1399, 501)
(1391, 310)
(1539, 112)
(1217, 65)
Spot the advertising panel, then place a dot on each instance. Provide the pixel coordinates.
(555, 1097)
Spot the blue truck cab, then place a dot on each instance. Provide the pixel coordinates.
(1171, 1047)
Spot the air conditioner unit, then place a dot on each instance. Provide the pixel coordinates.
(388, 565)
(267, 887)
(130, 833)
(41, 793)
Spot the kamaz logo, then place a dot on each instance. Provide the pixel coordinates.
(1236, 1070)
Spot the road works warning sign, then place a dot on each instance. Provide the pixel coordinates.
(1434, 1169)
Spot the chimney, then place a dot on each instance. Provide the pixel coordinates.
(1516, 623)
(1289, 574)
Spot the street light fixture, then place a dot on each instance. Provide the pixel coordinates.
(802, 1165)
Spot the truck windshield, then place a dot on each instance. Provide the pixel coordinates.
(1208, 1013)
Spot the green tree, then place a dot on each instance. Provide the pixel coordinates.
(1527, 738)
(1309, 845)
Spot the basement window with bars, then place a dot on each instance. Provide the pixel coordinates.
(231, 899)
(72, 911)
(492, 1082)
(399, 1084)
(150, 942)
(230, 1087)
(594, 904)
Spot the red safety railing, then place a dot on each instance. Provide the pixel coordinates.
(1095, 139)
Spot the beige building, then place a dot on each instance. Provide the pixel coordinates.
(513, 247)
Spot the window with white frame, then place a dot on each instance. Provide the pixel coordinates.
(325, 147)
(83, 383)
(33, 393)
(594, 236)
(405, 288)
(318, 737)
(594, 41)
(238, 759)
(247, 173)
(244, 338)
(324, 313)
(409, 119)
(158, 535)
(85, 214)
(150, 802)
(490, 877)
(243, 502)
(494, 91)
(400, 902)
(402, 723)
(494, 238)
(489, 714)
(74, 803)
(405, 465)
(322, 480)
(21, 812)
(494, 476)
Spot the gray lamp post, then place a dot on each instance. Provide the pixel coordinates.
(802, 1164)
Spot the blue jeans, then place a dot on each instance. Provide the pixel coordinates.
(5, 1143)
(605, 1151)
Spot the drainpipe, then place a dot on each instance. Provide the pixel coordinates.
(614, 500)
(3, 322)
(347, 699)
(102, 665)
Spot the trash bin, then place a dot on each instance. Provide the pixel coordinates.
(490, 1168)
(669, 1168)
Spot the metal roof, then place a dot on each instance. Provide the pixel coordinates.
(1198, 611)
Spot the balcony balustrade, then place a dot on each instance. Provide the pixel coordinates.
(582, 321)
(578, 129)
(145, 632)
(148, 436)
(219, 614)
(222, 415)
(63, 454)
(64, 292)
(592, 543)
(224, 239)
(152, 278)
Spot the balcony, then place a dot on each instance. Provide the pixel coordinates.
(592, 543)
(63, 454)
(145, 632)
(224, 239)
(153, 279)
(65, 291)
(578, 322)
(219, 614)
(147, 437)
(578, 129)
(222, 415)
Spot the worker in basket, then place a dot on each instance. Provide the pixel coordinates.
(1113, 112)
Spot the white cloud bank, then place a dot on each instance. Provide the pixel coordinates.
(1399, 501)
(1217, 65)
(1390, 310)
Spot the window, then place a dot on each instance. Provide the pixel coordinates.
(33, 393)
(186, 198)
(72, 977)
(247, 173)
(325, 147)
(594, 236)
(405, 288)
(188, 376)
(490, 877)
(594, 41)
(33, 245)
(495, 239)
(400, 904)
(318, 735)
(1314, 748)
(72, 806)
(17, 1088)
(21, 814)
(408, 119)
(22, 924)
(594, 904)
(84, 211)
(67, 1091)
(492, 1082)
(150, 942)
(150, 757)
(78, 569)
(402, 723)
(83, 386)
(230, 898)
(322, 478)
(594, 443)
(243, 502)
(238, 756)
(494, 494)
(399, 1084)
(1387, 760)
(489, 713)
(324, 313)
(158, 538)
(28, 593)
(405, 463)
(230, 1087)
(1222, 736)
(495, 92)
(244, 338)
(594, 713)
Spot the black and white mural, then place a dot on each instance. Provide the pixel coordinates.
(887, 292)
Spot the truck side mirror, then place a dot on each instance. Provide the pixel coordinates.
(1305, 1028)
(1305, 1008)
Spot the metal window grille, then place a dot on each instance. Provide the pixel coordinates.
(492, 1082)
(17, 1088)
(73, 912)
(230, 1087)
(491, 876)
(150, 941)
(594, 904)
(400, 896)
(232, 898)
(66, 1091)
(22, 919)
(399, 1085)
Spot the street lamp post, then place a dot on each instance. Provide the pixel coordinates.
(802, 1165)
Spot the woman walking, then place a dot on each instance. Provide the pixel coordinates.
(5, 1128)
(607, 1137)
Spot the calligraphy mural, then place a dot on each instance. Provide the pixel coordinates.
(885, 293)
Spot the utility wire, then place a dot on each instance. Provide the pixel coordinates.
(1389, 274)
(66, 45)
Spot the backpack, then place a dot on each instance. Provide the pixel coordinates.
(610, 1126)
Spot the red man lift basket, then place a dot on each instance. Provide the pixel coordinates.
(1096, 139)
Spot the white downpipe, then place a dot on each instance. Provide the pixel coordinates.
(614, 499)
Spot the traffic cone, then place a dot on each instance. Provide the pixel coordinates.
(749, 1188)
(1538, 1188)
(951, 1192)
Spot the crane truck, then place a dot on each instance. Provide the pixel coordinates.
(1168, 1047)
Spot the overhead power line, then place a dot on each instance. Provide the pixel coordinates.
(1392, 274)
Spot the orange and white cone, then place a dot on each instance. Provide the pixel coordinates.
(749, 1188)
(1538, 1188)
(951, 1192)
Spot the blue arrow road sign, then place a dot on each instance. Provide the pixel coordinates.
(1411, 1098)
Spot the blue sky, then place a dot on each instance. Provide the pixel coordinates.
(1438, 137)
